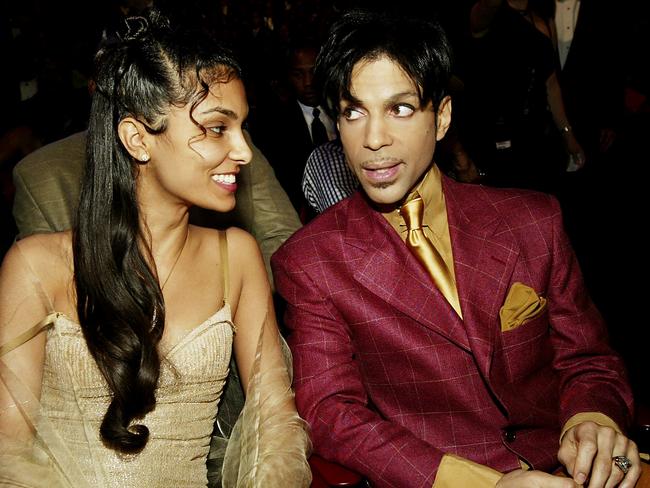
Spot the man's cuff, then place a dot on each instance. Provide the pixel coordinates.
(455, 471)
(595, 417)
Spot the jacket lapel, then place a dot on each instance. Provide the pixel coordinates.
(387, 269)
(485, 254)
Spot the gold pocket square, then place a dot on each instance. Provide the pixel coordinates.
(522, 305)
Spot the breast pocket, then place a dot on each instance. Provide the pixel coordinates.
(527, 349)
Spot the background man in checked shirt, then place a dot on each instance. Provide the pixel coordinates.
(491, 358)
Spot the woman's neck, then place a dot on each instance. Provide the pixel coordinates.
(165, 233)
(165, 221)
(165, 229)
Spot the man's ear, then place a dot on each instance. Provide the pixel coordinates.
(133, 135)
(443, 117)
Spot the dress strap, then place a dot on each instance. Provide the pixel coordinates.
(29, 334)
(223, 249)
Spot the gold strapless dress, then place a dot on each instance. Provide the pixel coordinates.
(75, 397)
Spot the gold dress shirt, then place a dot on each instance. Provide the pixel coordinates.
(435, 226)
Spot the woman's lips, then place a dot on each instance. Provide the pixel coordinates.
(227, 181)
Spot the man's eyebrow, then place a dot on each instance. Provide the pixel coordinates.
(397, 97)
(225, 111)
(402, 95)
(351, 100)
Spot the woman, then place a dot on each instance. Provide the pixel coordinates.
(116, 384)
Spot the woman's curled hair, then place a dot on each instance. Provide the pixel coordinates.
(147, 69)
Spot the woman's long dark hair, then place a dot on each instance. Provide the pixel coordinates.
(150, 68)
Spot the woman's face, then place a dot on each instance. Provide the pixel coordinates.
(198, 168)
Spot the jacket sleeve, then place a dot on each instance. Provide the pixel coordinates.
(592, 377)
(331, 396)
(274, 218)
(27, 213)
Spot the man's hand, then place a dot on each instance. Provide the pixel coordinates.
(534, 479)
(587, 450)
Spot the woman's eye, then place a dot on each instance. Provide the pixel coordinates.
(218, 130)
(351, 113)
(403, 110)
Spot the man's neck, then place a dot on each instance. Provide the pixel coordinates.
(426, 185)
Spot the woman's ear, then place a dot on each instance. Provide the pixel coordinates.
(133, 135)
(443, 118)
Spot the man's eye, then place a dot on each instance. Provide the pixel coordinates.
(351, 113)
(403, 110)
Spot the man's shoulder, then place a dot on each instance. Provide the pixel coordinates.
(323, 232)
(332, 221)
(67, 155)
(511, 204)
(507, 199)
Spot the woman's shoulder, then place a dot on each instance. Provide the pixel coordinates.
(237, 239)
(239, 249)
(45, 257)
(235, 245)
(43, 249)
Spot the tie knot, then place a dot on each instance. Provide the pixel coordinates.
(318, 130)
(412, 212)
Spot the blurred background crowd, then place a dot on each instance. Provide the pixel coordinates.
(500, 70)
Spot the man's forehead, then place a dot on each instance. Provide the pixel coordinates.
(304, 58)
(406, 86)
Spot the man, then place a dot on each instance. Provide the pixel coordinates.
(327, 178)
(289, 130)
(47, 190)
(450, 384)
(591, 52)
(590, 49)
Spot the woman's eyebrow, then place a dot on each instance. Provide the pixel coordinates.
(222, 110)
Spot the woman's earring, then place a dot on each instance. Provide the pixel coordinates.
(144, 158)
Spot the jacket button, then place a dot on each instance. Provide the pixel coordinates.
(509, 434)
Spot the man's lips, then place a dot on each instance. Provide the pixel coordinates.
(381, 172)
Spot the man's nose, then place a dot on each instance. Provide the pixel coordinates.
(376, 134)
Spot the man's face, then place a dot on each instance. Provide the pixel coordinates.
(301, 76)
(388, 139)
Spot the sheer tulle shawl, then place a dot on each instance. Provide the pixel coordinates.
(269, 444)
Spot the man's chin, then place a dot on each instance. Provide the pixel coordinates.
(310, 101)
(384, 194)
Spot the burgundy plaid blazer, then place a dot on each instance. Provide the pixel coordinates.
(388, 375)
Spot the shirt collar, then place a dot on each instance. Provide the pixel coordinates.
(435, 210)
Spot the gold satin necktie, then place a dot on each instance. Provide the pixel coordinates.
(420, 245)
